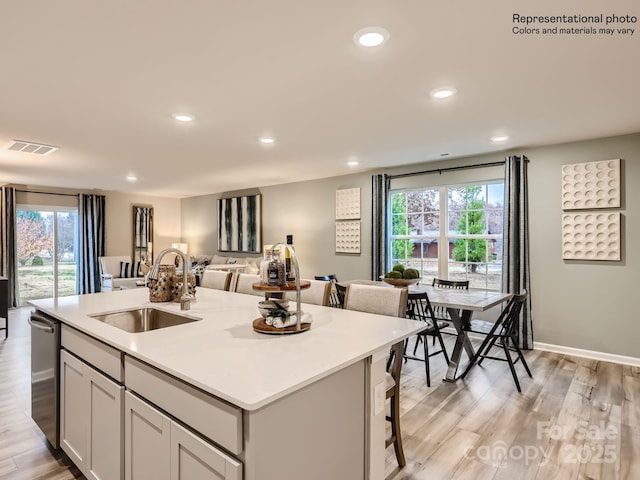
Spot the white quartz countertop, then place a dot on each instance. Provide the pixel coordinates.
(222, 354)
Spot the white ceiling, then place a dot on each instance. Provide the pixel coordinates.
(100, 79)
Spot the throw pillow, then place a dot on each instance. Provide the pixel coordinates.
(201, 259)
(218, 260)
(252, 268)
(129, 270)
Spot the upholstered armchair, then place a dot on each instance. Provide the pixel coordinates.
(119, 273)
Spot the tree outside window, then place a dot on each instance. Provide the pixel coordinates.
(35, 233)
(460, 241)
(401, 249)
(471, 222)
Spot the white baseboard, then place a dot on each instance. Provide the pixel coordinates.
(578, 352)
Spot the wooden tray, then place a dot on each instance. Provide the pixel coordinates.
(260, 326)
(280, 288)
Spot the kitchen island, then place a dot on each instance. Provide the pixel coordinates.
(309, 405)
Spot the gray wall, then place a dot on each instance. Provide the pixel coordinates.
(306, 210)
(119, 219)
(585, 305)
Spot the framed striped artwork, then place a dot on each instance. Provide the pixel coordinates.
(239, 224)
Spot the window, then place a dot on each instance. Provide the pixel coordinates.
(47, 242)
(452, 232)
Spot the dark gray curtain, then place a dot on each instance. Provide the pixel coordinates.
(92, 239)
(379, 197)
(516, 274)
(8, 261)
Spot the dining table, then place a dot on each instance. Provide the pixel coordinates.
(460, 305)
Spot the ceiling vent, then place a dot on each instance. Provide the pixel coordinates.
(31, 147)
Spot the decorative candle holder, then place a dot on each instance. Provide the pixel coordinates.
(176, 286)
(161, 290)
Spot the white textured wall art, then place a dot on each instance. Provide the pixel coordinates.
(348, 204)
(591, 236)
(591, 185)
(347, 237)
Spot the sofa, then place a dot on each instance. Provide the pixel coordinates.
(111, 273)
(200, 262)
(119, 273)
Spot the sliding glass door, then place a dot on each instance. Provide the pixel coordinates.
(47, 245)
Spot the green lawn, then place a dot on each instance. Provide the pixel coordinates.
(37, 282)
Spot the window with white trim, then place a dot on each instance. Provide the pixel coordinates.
(450, 232)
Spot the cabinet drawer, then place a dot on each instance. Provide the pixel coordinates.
(213, 418)
(100, 355)
(193, 458)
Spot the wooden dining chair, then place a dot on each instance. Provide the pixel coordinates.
(459, 284)
(504, 330)
(327, 278)
(334, 299)
(393, 395)
(216, 279)
(244, 284)
(341, 292)
(392, 302)
(419, 308)
(376, 299)
(318, 293)
(441, 313)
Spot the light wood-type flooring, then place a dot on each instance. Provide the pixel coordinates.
(576, 419)
(24, 452)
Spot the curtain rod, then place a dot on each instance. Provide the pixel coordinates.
(48, 193)
(448, 169)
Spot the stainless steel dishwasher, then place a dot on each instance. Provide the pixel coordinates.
(45, 365)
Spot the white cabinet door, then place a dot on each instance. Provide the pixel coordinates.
(104, 459)
(147, 441)
(74, 408)
(159, 448)
(90, 419)
(194, 459)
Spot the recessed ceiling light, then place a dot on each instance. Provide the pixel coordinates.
(443, 92)
(267, 140)
(352, 163)
(499, 138)
(371, 36)
(132, 178)
(183, 117)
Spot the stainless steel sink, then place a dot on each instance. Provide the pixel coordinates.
(142, 319)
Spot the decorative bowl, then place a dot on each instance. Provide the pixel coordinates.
(400, 282)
